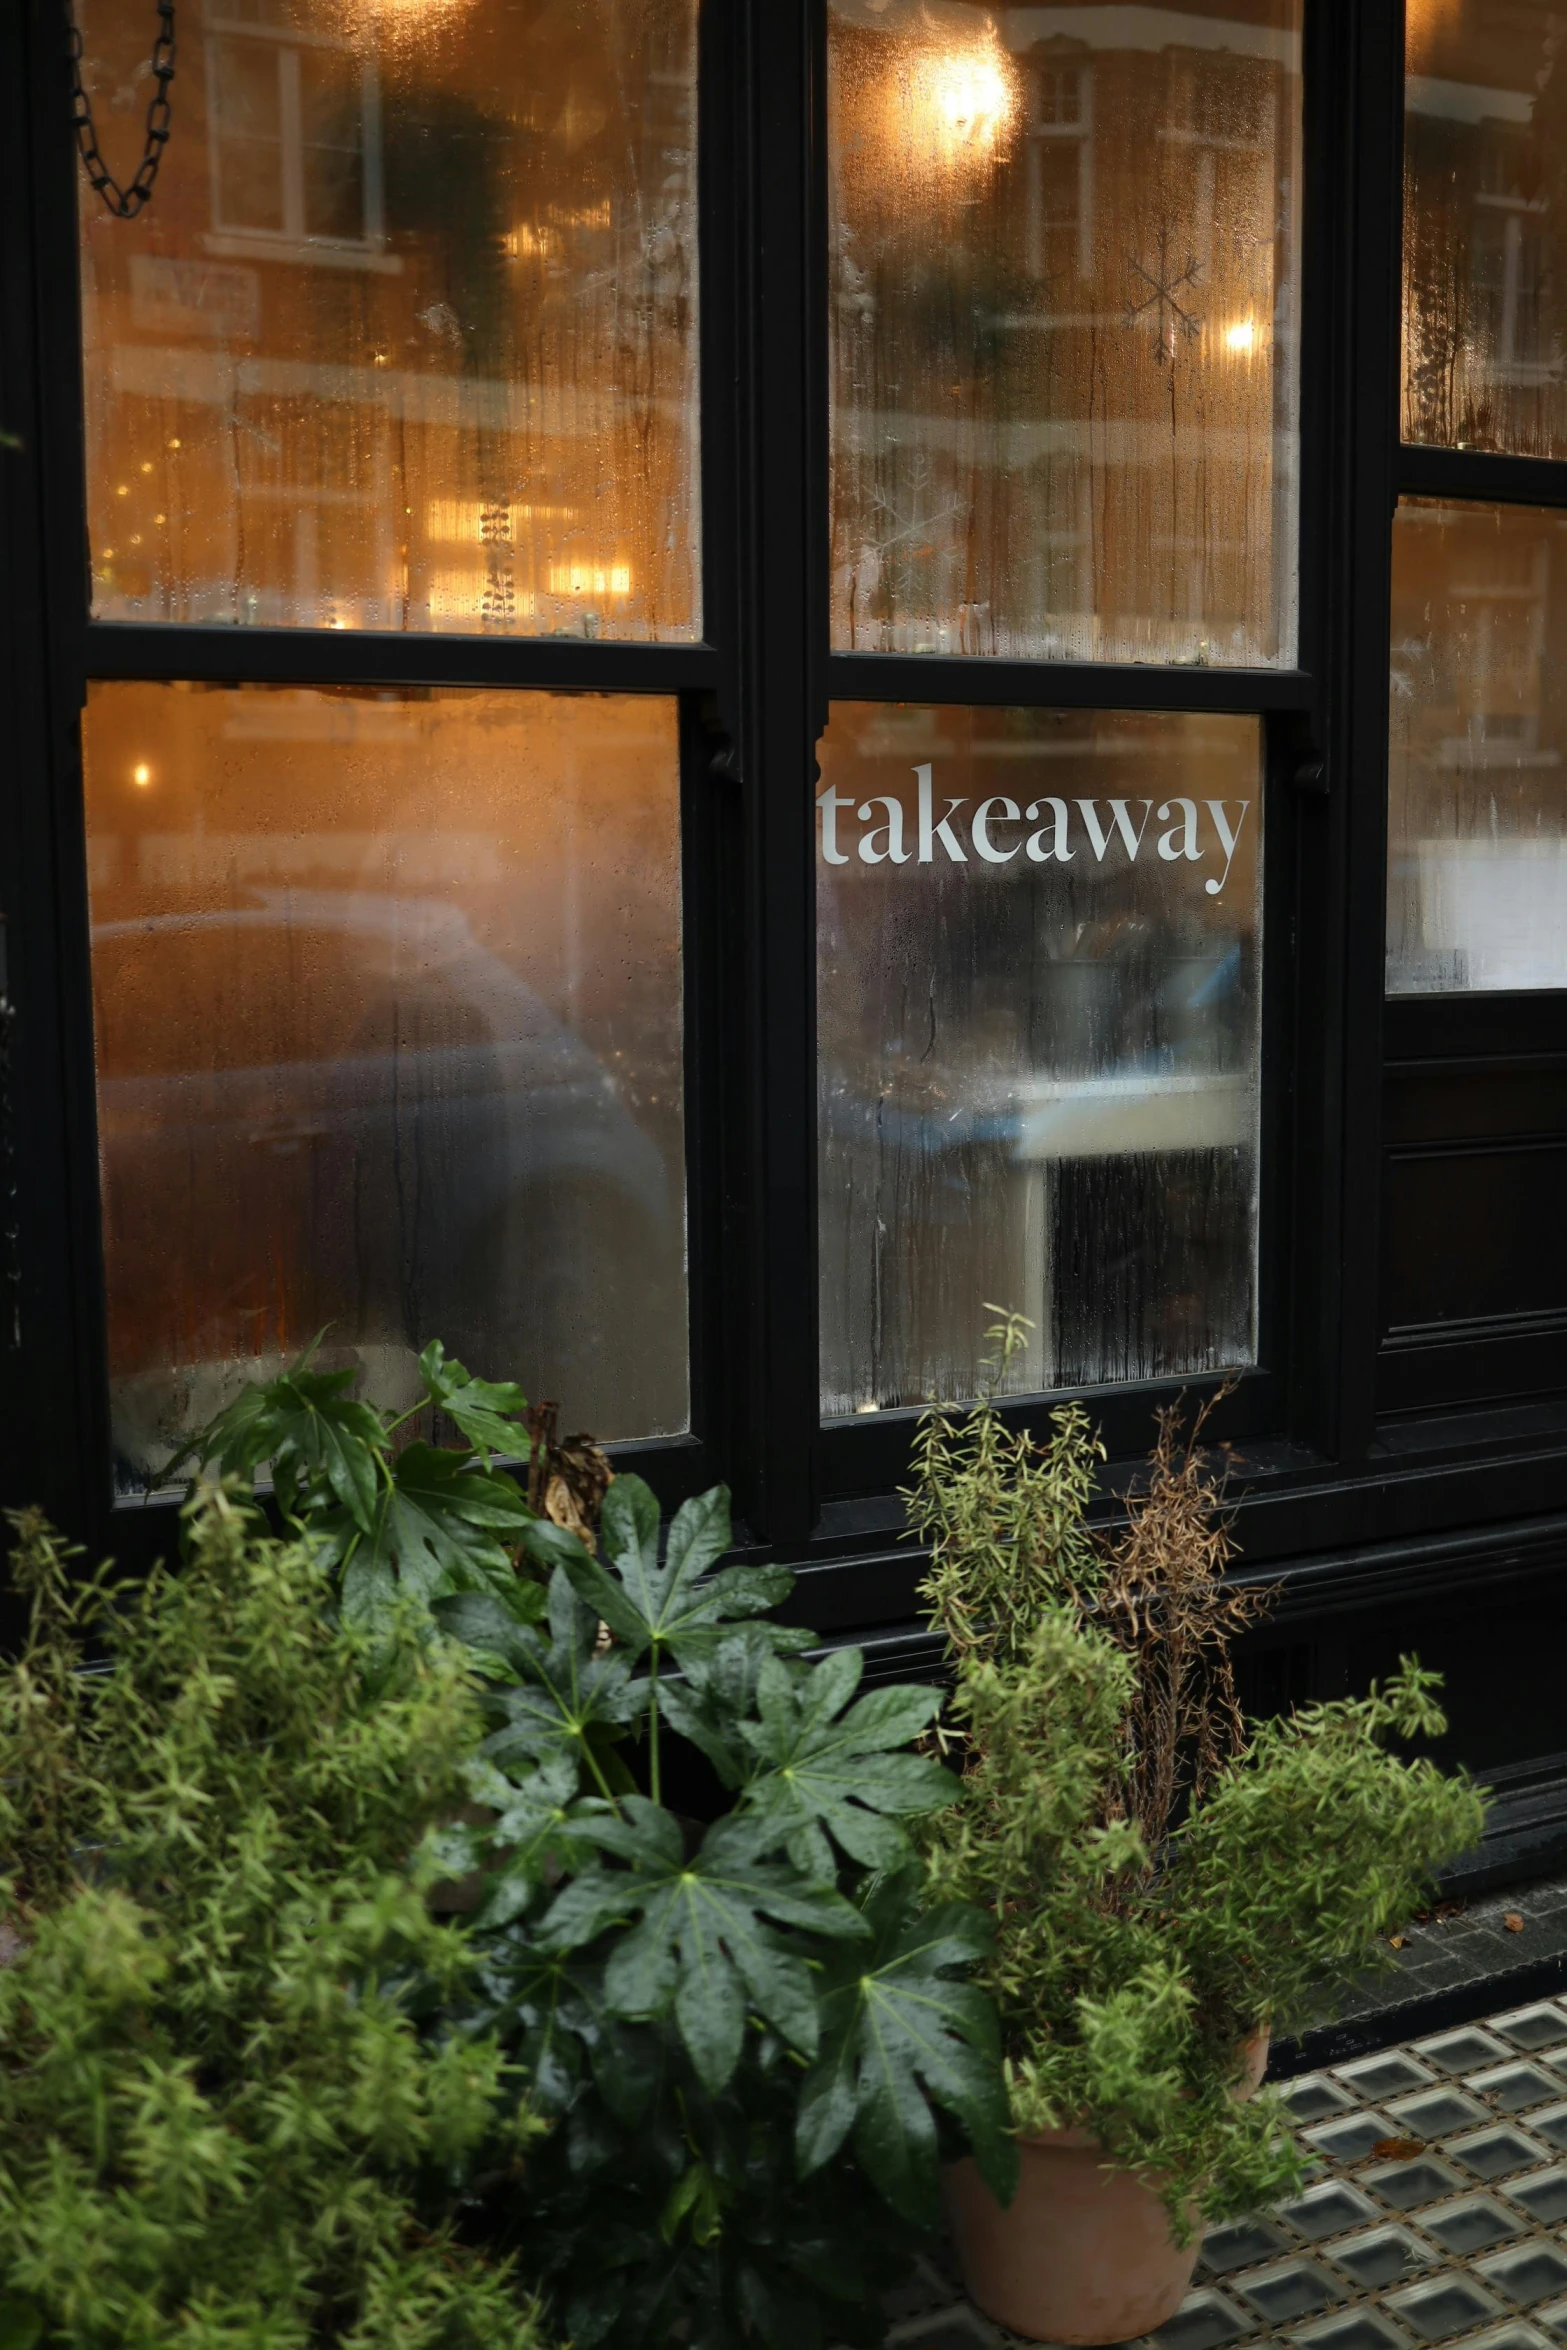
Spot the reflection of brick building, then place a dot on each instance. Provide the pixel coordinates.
(1485, 161)
(1065, 330)
(403, 342)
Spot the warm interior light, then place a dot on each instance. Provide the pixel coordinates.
(587, 579)
(141, 774)
(966, 98)
(1426, 24)
(1240, 337)
(455, 521)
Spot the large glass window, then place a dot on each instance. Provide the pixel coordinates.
(1485, 227)
(1065, 275)
(407, 338)
(387, 1003)
(1038, 986)
(1477, 806)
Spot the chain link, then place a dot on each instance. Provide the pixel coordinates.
(125, 203)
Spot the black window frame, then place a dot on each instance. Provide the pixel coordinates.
(1318, 1469)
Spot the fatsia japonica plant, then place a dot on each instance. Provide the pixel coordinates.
(753, 2032)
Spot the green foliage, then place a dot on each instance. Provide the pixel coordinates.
(748, 2031)
(750, 2036)
(1164, 1883)
(221, 2124)
(416, 1519)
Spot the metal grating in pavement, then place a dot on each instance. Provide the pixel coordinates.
(1435, 2219)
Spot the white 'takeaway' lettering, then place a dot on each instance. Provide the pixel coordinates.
(1039, 854)
(829, 802)
(1221, 825)
(1123, 824)
(893, 846)
(1005, 812)
(1181, 839)
(885, 837)
(933, 829)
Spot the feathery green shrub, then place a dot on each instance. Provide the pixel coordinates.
(1165, 1879)
(225, 2120)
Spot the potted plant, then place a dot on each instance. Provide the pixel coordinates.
(708, 1941)
(226, 2115)
(1167, 1882)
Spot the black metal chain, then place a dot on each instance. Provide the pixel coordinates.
(125, 203)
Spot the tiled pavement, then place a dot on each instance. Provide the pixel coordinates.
(1468, 1959)
(1436, 2218)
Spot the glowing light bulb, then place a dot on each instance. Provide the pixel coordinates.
(141, 775)
(967, 97)
(1240, 337)
(972, 95)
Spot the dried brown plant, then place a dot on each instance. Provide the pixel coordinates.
(1166, 1601)
(568, 1476)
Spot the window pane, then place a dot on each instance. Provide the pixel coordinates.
(1065, 258)
(1477, 782)
(1485, 136)
(407, 335)
(1038, 967)
(386, 991)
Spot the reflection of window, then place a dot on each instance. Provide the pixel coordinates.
(1061, 174)
(1507, 282)
(1477, 833)
(295, 143)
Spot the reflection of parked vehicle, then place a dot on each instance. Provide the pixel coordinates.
(339, 1107)
(1071, 1144)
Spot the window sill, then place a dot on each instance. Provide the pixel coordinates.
(317, 252)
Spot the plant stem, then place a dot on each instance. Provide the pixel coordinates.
(652, 1724)
(608, 1791)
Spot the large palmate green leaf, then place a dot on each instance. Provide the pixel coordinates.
(827, 1772)
(492, 1622)
(440, 1523)
(320, 1443)
(521, 1839)
(674, 1605)
(897, 2031)
(569, 1697)
(701, 1939)
(489, 1412)
(716, 1694)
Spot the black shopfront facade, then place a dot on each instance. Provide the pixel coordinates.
(693, 689)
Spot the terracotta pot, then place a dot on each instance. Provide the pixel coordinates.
(1083, 2254)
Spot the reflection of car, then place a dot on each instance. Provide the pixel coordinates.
(1076, 1137)
(340, 1107)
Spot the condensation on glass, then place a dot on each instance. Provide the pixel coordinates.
(1065, 279)
(1477, 765)
(406, 338)
(1485, 226)
(1038, 964)
(387, 1005)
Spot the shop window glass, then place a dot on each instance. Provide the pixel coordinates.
(387, 1005)
(1477, 787)
(407, 336)
(1038, 974)
(1065, 256)
(1485, 227)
